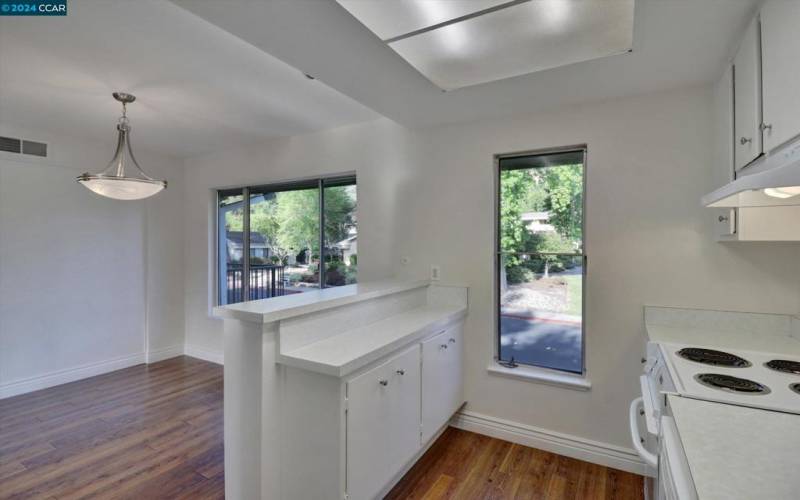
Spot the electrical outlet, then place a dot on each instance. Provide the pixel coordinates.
(436, 273)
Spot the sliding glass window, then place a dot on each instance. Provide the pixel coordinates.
(541, 260)
(300, 236)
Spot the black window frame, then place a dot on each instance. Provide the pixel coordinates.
(497, 252)
(319, 183)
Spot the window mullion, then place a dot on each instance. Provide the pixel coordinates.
(246, 244)
(321, 233)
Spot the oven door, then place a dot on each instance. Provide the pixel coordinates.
(646, 412)
(651, 404)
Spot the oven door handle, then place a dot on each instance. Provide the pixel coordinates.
(649, 458)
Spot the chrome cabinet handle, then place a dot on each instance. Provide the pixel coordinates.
(401, 372)
(766, 126)
(443, 346)
(452, 341)
(383, 382)
(744, 140)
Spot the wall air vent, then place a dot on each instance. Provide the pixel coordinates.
(22, 146)
(10, 145)
(34, 148)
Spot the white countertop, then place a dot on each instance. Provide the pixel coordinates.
(345, 353)
(739, 453)
(278, 308)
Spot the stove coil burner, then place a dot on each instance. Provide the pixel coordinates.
(731, 384)
(712, 357)
(784, 365)
(795, 388)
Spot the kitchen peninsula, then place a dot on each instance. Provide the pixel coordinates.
(334, 393)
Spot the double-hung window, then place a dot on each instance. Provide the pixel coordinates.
(282, 239)
(540, 259)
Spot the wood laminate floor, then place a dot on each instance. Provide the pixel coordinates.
(145, 432)
(465, 465)
(155, 432)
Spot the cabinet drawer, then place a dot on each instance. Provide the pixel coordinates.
(382, 423)
(442, 379)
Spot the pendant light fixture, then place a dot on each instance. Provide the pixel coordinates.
(123, 179)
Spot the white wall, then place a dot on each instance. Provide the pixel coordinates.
(428, 194)
(76, 297)
(164, 262)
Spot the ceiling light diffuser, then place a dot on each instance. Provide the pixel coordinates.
(782, 192)
(392, 18)
(123, 179)
(469, 42)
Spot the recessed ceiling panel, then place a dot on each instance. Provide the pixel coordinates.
(392, 18)
(518, 39)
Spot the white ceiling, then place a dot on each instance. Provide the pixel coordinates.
(237, 78)
(197, 86)
(676, 43)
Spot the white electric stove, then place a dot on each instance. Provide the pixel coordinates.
(746, 378)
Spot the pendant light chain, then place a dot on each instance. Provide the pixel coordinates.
(122, 126)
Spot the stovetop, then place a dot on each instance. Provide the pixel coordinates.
(747, 378)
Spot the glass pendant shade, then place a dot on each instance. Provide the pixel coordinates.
(123, 179)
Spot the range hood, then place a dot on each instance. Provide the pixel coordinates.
(777, 184)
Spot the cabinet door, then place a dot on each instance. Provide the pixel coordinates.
(781, 71)
(442, 379)
(747, 98)
(404, 401)
(382, 423)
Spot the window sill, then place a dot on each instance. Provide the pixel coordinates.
(542, 375)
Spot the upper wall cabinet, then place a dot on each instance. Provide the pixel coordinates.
(747, 98)
(781, 72)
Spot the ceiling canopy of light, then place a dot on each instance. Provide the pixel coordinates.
(123, 179)
(459, 43)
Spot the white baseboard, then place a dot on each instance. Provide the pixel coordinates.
(17, 387)
(157, 355)
(596, 452)
(203, 353)
(23, 386)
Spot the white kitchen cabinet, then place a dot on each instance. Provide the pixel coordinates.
(382, 423)
(780, 70)
(336, 386)
(730, 156)
(442, 379)
(747, 98)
